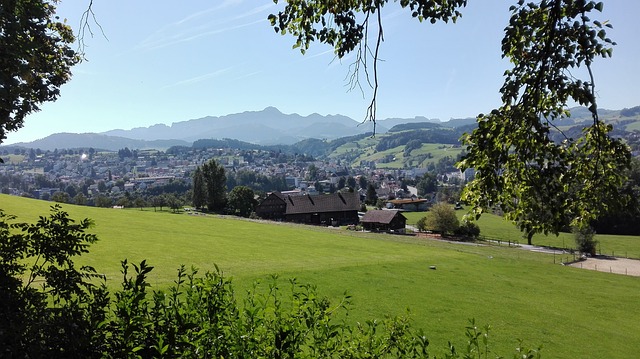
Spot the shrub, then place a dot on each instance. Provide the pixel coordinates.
(197, 317)
(48, 306)
(585, 241)
(422, 224)
(441, 218)
(468, 231)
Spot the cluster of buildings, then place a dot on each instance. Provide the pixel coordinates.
(92, 172)
(340, 208)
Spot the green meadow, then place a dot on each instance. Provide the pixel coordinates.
(364, 150)
(572, 313)
(496, 227)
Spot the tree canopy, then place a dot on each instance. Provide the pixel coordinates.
(210, 181)
(427, 184)
(541, 184)
(241, 201)
(35, 60)
(441, 218)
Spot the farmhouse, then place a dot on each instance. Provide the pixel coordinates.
(273, 207)
(325, 209)
(383, 220)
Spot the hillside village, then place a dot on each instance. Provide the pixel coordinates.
(86, 176)
(391, 162)
(409, 168)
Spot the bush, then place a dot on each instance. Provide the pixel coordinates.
(422, 224)
(585, 241)
(197, 317)
(441, 218)
(48, 307)
(468, 231)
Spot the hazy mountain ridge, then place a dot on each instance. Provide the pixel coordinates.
(272, 127)
(96, 141)
(261, 127)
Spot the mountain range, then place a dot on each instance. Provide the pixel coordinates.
(272, 127)
(266, 127)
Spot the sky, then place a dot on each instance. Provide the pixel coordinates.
(152, 62)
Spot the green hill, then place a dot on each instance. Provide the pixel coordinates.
(571, 312)
(421, 144)
(402, 149)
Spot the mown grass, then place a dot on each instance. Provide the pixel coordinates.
(372, 155)
(13, 159)
(571, 312)
(495, 227)
(437, 151)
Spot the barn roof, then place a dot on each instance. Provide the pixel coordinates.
(380, 216)
(408, 201)
(335, 202)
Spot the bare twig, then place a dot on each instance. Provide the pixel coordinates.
(361, 59)
(371, 110)
(363, 54)
(85, 27)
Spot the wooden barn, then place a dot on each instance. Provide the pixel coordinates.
(325, 209)
(273, 207)
(384, 221)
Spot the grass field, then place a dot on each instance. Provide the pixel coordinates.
(573, 313)
(495, 227)
(14, 159)
(364, 150)
(437, 151)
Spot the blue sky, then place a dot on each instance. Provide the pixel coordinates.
(169, 61)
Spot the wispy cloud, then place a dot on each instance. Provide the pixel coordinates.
(254, 11)
(330, 51)
(194, 35)
(223, 5)
(452, 78)
(393, 14)
(198, 79)
(205, 23)
(250, 74)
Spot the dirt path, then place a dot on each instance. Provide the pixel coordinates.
(610, 265)
(617, 265)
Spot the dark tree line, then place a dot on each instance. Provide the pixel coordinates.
(256, 181)
(414, 126)
(629, 112)
(209, 187)
(437, 135)
(127, 153)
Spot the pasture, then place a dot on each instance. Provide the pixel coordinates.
(573, 313)
(495, 227)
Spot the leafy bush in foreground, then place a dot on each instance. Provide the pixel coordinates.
(49, 308)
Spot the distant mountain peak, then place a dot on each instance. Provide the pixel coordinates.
(271, 109)
(267, 126)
